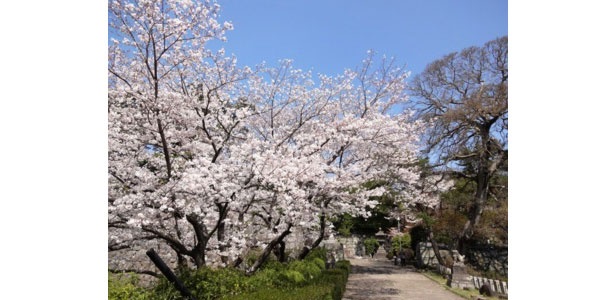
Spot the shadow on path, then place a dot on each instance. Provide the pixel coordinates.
(381, 280)
(380, 267)
(371, 270)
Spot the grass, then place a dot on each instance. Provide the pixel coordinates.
(468, 294)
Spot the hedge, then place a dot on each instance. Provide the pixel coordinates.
(329, 286)
(306, 279)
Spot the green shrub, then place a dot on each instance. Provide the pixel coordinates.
(295, 277)
(206, 283)
(273, 264)
(308, 268)
(319, 262)
(371, 245)
(344, 224)
(125, 287)
(400, 241)
(310, 292)
(307, 279)
(344, 265)
(318, 252)
(337, 278)
(330, 285)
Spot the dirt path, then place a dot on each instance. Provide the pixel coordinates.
(370, 280)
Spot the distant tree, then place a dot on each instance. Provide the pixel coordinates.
(464, 98)
(371, 245)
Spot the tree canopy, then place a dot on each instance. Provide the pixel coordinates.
(464, 99)
(208, 159)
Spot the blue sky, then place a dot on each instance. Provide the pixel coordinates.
(327, 36)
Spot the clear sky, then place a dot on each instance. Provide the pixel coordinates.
(327, 36)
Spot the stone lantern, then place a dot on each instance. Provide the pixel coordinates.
(381, 237)
(332, 247)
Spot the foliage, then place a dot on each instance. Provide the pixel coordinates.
(344, 225)
(369, 226)
(448, 227)
(379, 216)
(307, 268)
(494, 226)
(398, 242)
(418, 234)
(311, 292)
(317, 253)
(371, 245)
(294, 277)
(330, 285)
(455, 209)
(307, 277)
(337, 277)
(126, 287)
(206, 283)
(270, 284)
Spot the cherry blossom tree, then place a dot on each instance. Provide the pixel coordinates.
(158, 67)
(208, 160)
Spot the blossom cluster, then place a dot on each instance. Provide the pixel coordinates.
(213, 159)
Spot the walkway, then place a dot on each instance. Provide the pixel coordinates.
(371, 280)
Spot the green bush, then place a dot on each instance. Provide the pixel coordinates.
(337, 278)
(371, 245)
(206, 283)
(319, 263)
(125, 287)
(306, 279)
(255, 254)
(310, 292)
(344, 224)
(308, 268)
(318, 252)
(330, 285)
(401, 241)
(294, 277)
(343, 265)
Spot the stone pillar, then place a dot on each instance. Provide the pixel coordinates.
(459, 277)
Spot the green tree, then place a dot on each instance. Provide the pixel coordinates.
(400, 242)
(371, 245)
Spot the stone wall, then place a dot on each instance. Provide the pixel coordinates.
(426, 256)
(353, 246)
(488, 258)
(480, 257)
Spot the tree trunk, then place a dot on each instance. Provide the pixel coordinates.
(199, 259)
(315, 244)
(483, 176)
(237, 262)
(182, 263)
(221, 236)
(435, 248)
(198, 252)
(280, 251)
(259, 262)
